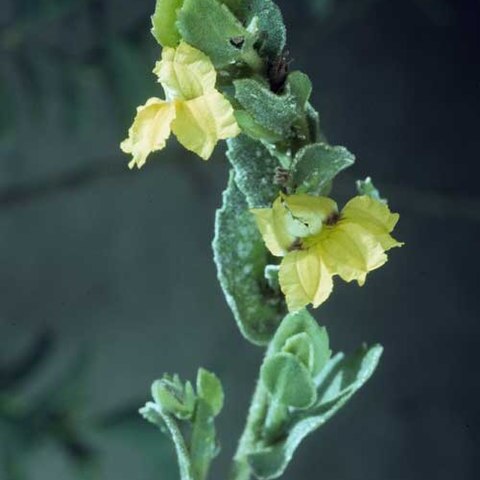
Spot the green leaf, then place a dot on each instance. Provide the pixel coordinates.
(241, 8)
(366, 187)
(338, 382)
(174, 397)
(203, 446)
(315, 166)
(209, 388)
(272, 31)
(300, 87)
(302, 322)
(276, 113)
(313, 121)
(301, 347)
(288, 381)
(209, 26)
(240, 256)
(253, 129)
(164, 27)
(254, 170)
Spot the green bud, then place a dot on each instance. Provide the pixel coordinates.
(174, 397)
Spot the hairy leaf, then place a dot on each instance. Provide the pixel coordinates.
(337, 383)
(272, 31)
(288, 381)
(276, 113)
(302, 322)
(210, 389)
(254, 170)
(315, 166)
(241, 257)
(209, 26)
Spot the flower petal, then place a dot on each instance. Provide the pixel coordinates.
(373, 216)
(308, 213)
(304, 278)
(200, 123)
(185, 72)
(351, 251)
(271, 223)
(150, 130)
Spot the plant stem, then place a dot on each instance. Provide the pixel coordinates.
(184, 463)
(256, 418)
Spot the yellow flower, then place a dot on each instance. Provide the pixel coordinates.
(197, 113)
(317, 243)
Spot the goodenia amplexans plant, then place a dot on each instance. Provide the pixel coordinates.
(279, 239)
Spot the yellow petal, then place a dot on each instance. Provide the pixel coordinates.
(271, 223)
(351, 252)
(373, 216)
(150, 130)
(185, 72)
(308, 213)
(304, 279)
(200, 123)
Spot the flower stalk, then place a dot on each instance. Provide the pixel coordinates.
(280, 239)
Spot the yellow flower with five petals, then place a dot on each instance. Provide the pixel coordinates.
(318, 242)
(197, 113)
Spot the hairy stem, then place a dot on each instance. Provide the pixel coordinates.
(250, 437)
(184, 463)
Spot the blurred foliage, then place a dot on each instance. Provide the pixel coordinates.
(39, 67)
(57, 414)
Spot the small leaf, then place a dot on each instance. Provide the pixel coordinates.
(164, 27)
(288, 381)
(272, 31)
(203, 446)
(313, 121)
(366, 187)
(254, 170)
(209, 388)
(174, 397)
(301, 347)
(253, 129)
(341, 379)
(300, 87)
(302, 322)
(240, 256)
(276, 113)
(315, 166)
(209, 26)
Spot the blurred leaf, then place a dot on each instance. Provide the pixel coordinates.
(203, 446)
(20, 370)
(210, 389)
(174, 397)
(366, 187)
(164, 22)
(240, 256)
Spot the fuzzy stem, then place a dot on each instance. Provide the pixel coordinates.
(255, 420)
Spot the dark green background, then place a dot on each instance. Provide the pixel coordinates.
(117, 266)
